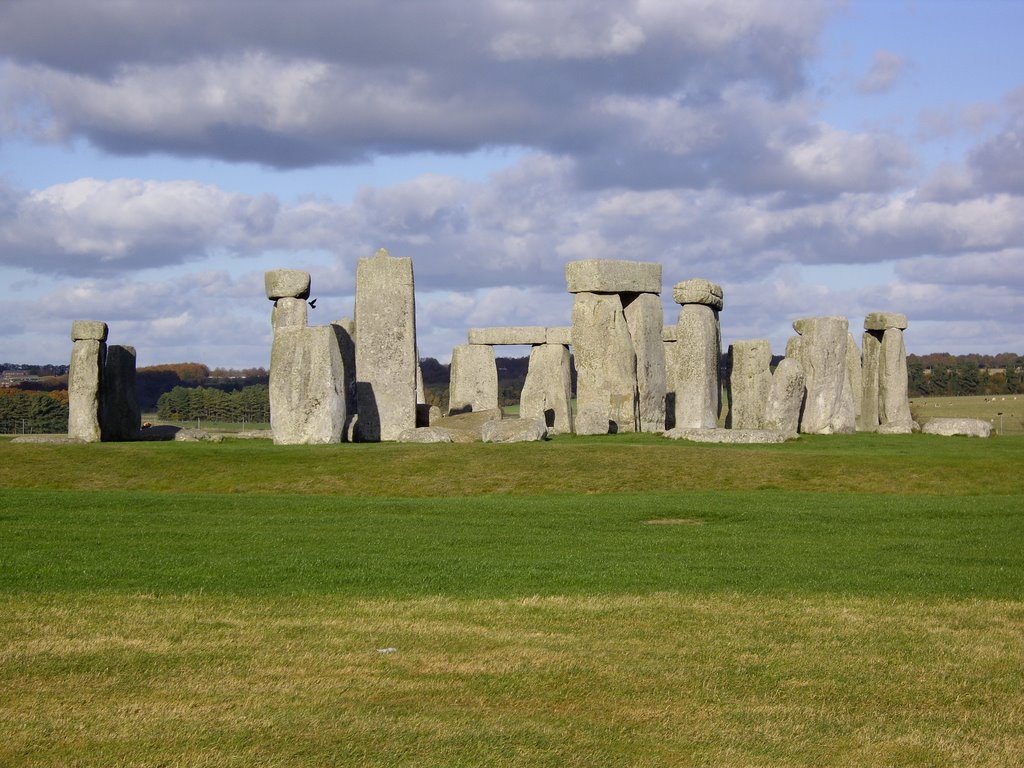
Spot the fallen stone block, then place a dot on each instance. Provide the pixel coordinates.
(514, 431)
(426, 435)
(737, 436)
(467, 427)
(613, 276)
(952, 427)
(49, 439)
(189, 435)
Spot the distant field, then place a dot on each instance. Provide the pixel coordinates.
(987, 407)
(615, 601)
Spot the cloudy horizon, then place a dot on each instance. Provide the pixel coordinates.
(840, 158)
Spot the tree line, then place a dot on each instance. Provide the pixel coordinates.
(33, 412)
(946, 375)
(246, 405)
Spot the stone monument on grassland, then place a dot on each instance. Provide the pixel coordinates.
(885, 390)
(473, 385)
(385, 310)
(748, 383)
(620, 364)
(822, 352)
(102, 402)
(695, 360)
(307, 370)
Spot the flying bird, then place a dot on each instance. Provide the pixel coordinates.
(312, 304)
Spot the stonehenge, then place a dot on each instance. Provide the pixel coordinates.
(359, 379)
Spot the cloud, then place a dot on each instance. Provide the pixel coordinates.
(886, 68)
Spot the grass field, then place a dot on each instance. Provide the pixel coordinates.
(1004, 412)
(622, 600)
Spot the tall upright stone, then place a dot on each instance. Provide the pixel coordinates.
(893, 399)
(345, 332)
(474, 379)
(120, 414)
(288, 289)
(671, 349)
(871, 351)
(695, 363)
(605, 366)
(307, 386)
(855, 373)
(785, 397)
(385, 347)
(547, 391)
(645, 319)
(748, 383)
(85, 377)
(828, 406)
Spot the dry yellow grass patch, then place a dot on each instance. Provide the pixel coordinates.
(655, 680)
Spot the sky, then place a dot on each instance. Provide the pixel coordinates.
(831, 158)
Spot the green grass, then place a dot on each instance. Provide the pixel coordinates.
(986, 407)
(628, 600)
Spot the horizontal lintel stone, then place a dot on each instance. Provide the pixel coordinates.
(883, 321)
(92, 330)
(558, 335)
(613, 276)
(523, 334)
(286, 284)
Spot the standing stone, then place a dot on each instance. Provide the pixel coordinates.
(547, 391)
(605, 365)
(307, 389)
(785, 397)
(289, 312)
(695, 368)
(828, 407)
(121, 418)
(385, 347)
(645, 318)
(85, 379)
(893, 400)
(749, 382)
(345, 332)
(854, 370)
(474, 379)
(871, 344)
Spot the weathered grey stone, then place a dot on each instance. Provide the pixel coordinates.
(547, 391)
(793, 348)
(120, 418)
(605, 366)
(253, 434)
(828, 406)
(289, 313)
(951, 427)
(613, 276)
(854, 371)
(893, 398)
(522, 334)
(345, 332)
(307, 386)
(425, 435)
(698, 291)
(897, 428)
(385, 347)
(474, 379)
(871, 353)
(785, 397)
(421, 393)
(645, 319)
(427, 415)
(466, 427)
(695, 369)
(883, 321)
(85, 377)
(514, 431)
(558, 335)
(286, 283)
(51, 439)
(736, 436)
(748, 383)
(670, 333)
(188, 435)
(88, 330)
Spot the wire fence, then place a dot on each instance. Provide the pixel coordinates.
(29, 426)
